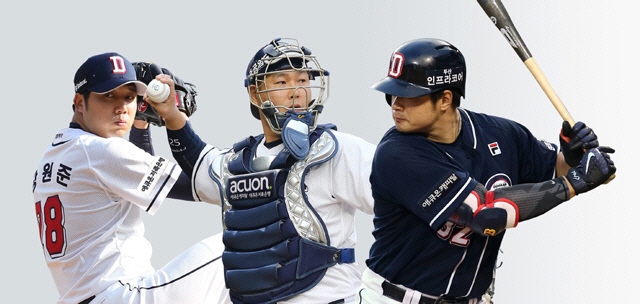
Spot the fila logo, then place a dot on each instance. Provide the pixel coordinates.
(118, 65)
(397, 61)
(495, 149)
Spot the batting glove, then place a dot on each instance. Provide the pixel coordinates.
(574, 141)
(594, 169)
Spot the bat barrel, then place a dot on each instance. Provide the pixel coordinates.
(500, 17)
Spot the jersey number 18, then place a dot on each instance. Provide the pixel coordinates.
(51, 225)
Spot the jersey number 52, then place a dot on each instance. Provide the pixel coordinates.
(51, 224)
(459, 238)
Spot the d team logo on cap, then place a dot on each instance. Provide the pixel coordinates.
(119, 66)
(106, 72)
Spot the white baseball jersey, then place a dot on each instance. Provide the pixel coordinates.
(89, 193)
(336, 189)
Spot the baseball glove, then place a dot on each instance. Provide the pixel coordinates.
(185, 99)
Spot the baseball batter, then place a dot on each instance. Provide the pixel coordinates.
(447, 182)
(90, 189)
(289, 195)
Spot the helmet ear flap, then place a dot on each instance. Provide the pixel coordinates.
(388, 98)
(255, 108)
(255, 111)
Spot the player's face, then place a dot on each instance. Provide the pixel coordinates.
(110, 114)
(288, 89)
(414, 115)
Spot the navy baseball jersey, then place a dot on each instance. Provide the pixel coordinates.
(417, 184)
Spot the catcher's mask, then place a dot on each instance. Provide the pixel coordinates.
(284, 55)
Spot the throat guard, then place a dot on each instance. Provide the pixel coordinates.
(295, 134)
(276, 245)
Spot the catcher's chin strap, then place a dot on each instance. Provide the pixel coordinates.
(491, 212)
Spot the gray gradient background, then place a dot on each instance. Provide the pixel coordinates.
(581, 252)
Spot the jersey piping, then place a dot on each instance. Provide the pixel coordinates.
(166, 180)
(475, 275)
(195, 173)
(473, 129)
(462, 190)
(172, 281)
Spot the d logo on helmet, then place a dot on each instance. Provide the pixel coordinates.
(397, 61)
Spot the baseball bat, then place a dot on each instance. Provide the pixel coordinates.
(500, 17)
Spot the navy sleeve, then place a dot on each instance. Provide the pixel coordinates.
(537, 158)
(186, 146)
(182, 188)
(142, 139)
(411, 171)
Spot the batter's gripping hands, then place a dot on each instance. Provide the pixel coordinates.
(185, 99)
(594, 169)
(574, 141)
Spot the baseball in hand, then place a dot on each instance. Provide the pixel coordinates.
(157, 91)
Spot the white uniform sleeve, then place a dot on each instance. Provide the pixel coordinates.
(205, 188)
(130, 173)
(351, 170)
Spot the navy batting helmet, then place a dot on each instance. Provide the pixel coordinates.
(423, 66)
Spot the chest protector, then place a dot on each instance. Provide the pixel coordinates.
(276, 244)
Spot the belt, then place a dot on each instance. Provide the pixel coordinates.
(397, 293)
(87, 300)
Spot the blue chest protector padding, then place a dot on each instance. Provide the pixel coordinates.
(265, 258)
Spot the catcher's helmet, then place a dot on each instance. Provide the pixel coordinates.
(286, 55)
(423, 66)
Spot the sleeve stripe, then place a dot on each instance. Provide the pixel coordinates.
(162, 187)
(195, 173)
(473, 129)
(451, 201)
